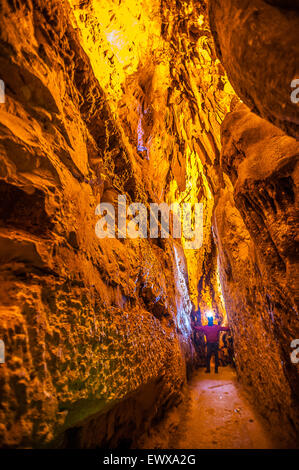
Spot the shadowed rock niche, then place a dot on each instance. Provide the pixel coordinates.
(107, 98)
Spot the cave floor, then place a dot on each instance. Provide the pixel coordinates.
(215, 414)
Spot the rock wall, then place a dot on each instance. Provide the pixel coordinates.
(256, 221)
(87, 324)
(256, 207)
(102, 98)
(128, 97)
(160, 71)
(256, 41)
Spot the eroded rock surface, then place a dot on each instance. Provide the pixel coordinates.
(86, 323)
(256, 218)
(257, 44)
(106, 98)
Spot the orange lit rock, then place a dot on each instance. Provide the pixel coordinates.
(162, 74)
(256, 221)
(86, 323)
(106, 98)
(256, 41)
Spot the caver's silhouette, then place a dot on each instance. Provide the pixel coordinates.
(211, 333)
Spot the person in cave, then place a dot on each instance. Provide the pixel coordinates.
(211, 333)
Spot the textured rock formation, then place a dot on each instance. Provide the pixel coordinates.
(158, 62)
(128, 97)
(256, 41)
(256, 217)
(86, 323)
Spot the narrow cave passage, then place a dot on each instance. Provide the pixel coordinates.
(149, 182)
(214, 414)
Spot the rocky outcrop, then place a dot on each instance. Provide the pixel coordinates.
(256, 221)
(256, 42)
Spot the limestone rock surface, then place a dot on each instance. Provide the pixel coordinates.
(256, 221)
(256, 42)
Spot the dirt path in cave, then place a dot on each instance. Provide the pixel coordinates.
(216, 414)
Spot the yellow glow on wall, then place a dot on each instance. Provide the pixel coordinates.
(117, 36)
(138, 70)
